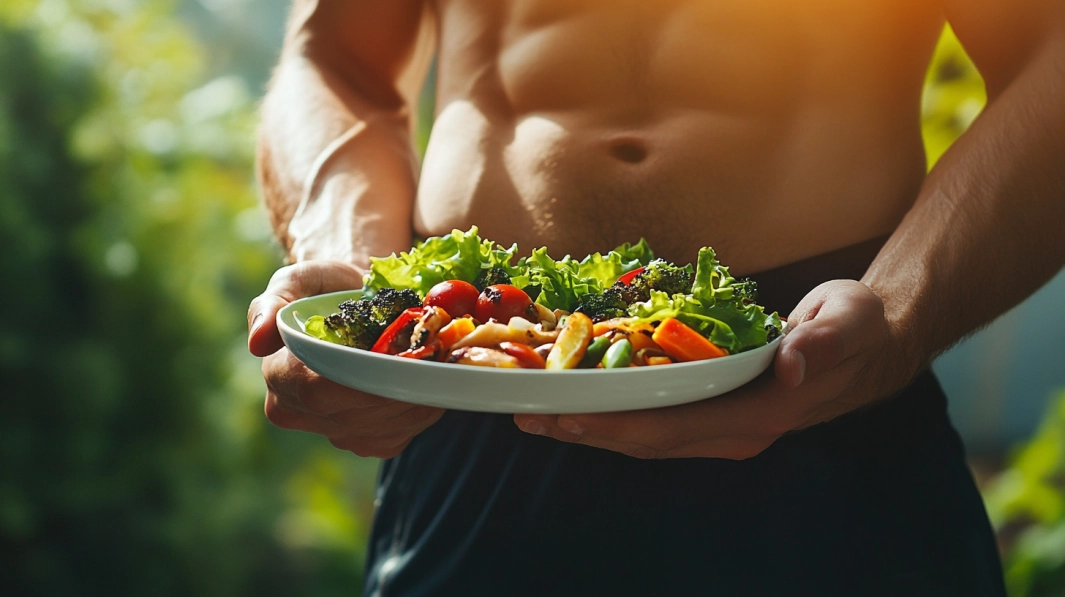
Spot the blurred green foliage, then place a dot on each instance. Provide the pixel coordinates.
(1026, 503)
(135, 457)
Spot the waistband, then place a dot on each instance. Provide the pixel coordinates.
(781, 288)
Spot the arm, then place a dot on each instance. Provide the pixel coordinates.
(984, 232)
(338, 173)
(336, 163)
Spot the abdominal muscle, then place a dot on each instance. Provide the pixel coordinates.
(550, 142)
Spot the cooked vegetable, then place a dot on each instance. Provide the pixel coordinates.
(501, 302)
(594, 353)
(483, 357)
(455, 331)
(456, 297)
(658, 275)
(527, 357)
(627, 278)
(360, 323)
(683, 343)
(652, 361)
(424, 353)
(491, 334)
(396, 337)
(491, 277)
(618, 355)
(430, 322)
(605, 305)
(572, 342)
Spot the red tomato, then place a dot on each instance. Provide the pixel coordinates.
(501, 302)
(456, 297)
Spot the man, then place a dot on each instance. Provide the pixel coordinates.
(784, 134)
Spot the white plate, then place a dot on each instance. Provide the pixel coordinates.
(484, 389)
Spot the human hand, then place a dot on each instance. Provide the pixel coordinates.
(840, 355)
(298, 398)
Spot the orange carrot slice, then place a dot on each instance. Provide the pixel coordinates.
(683, 343)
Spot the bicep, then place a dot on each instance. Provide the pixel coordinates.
(1002, 36)
(370, 44)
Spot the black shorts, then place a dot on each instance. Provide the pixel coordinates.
(879, 502)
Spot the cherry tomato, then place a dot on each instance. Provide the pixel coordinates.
(456, 297)
(501, 302)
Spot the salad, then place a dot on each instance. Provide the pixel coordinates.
(463, 299)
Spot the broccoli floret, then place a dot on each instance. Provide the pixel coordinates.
(745, 291)
(662, 276)
(600, 307)
(360, 323)
(772, 332)
(354, 326)
(614, 301)
(491, 277)
(388, 303)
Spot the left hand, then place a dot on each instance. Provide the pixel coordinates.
(840, 355)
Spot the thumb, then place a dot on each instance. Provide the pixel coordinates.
(303, 279)
(846, 319)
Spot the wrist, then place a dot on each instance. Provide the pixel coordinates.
(905, 352)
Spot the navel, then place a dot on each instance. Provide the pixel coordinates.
(629, 150)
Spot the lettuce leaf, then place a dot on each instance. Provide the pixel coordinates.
(606, 270)
(316, 327)
(718, 307)
(559, 283)
(456, 256)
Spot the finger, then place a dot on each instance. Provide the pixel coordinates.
(284, 416)
(307, 278)
(372, 447)
(388, 419)
(751, 413)
(836, 321)
(306, 391)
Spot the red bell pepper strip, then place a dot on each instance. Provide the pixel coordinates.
(627, 277)
(424, 353)
(407, 319)
(527, 357)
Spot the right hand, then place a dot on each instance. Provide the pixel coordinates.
(298, 398)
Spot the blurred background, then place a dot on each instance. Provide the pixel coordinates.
(135, 457)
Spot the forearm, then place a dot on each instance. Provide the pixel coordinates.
(986, 229)
(338, 173)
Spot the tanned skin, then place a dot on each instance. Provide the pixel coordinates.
(772, 131)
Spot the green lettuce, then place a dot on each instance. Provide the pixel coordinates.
(456, 256)
(719, 307)
(316, 327)
(558, 283)
(562, 283)
(606, 270)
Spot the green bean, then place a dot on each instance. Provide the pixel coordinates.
(595, 352)
(618, 355)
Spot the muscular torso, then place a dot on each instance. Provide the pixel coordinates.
(771, 130)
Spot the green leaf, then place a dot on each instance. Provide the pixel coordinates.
(456, 256)
(316, 327)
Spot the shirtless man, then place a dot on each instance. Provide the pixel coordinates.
(786, 135)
